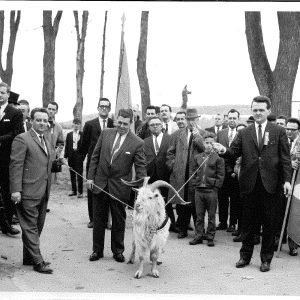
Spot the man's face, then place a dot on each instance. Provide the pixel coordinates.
(155, 126)
(281, 122)
(3, 95)
(292, 130)
(103, 109)
(181, 121)
(260, 112)
(165, 113)
(233, 118)
(52, 111)
(150, 113)
(25, 111)
(40, 122)
(218, 121)
(208, 144)
(76, 126)
(123, 125)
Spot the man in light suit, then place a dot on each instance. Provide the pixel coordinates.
(30, 179)
(169, 126)
(91, 132)
(11, 125)
(117, 150)
(265, 168)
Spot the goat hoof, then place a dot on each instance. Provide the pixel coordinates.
(155, 273)
(130, 261)
(138, 275)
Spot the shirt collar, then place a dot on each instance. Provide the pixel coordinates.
(37, 134)
(263, 125)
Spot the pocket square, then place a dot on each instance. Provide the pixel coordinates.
(127, 152)
(6, 120)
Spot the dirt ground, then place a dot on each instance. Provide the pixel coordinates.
(186, 270)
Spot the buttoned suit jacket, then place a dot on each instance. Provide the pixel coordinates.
(11, 124)
(156, 164)
(107, 173)
(90, 136)
(272, 161)
(30, 166)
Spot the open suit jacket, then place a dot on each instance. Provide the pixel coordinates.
(30, 166)
(156, 164)
(104, 173)
(69, 144)
(11, 124)
(273, 160)
(91, 133)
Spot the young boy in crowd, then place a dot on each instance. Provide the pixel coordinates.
(207, 180)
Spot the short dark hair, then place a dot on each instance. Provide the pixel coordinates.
(104, 99)
(38, 109)
(271, 117)
(76, 121)
(181, 112)
(53, 103)
(232, 111)
(154, 117)
(262, 99)
(170, 109)
(23, 101)
(209, 134)
(294, 120)
(126, 113)
(151, 107)
(282, 117)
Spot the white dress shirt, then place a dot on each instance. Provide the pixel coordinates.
(75, 139)
(43, 141)
(159, 139)
(101, 123)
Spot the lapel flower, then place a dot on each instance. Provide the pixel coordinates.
(266, 139)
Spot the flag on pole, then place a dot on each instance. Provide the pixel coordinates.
(123, 88)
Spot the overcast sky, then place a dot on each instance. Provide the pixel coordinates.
(202, 45)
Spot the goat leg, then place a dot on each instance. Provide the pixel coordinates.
(140, 270)
(153, 258)
(132, 255)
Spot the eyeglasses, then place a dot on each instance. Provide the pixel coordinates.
(155, 124)
(104, 106)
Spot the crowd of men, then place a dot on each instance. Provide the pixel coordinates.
(242, 170)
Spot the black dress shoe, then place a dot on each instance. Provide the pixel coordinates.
(238, 238)
(42, 268)
(119, 257)
(173, 228)
(221, 226)
(231, 228)
(182, 235)
(236, 233)
(293, 252)
(210, 243)
(265, 267)
(242, 263)
(6, 228)
(72, 194)
(96, 256)
(196, 241)
(30, 263)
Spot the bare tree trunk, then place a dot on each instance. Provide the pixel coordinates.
(141, 63)
(50, 33)
(77, 110)
(6, 75)
(102, 58)
(278, 84)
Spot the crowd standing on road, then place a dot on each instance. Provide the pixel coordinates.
(242, 170)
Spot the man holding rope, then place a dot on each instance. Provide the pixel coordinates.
(116, 151)
(266, 166)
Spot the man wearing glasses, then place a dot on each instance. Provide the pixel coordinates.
(90, 135)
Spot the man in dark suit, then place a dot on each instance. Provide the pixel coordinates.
(90, 135)
(75, 161)
(30, 179)
(11, 125)
(25, 109)
(156, 147)
(265, 167)
(117, 150)
(230, 187)
(218, 125)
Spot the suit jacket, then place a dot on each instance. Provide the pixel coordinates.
(69, 144)
(177, 158)
(156, 164)
(11, 125)
(30, 166)
(212, 129)
(172, 127)
(91, 133)
(55, 135)
(223, 139)
(273, 161)
(109, 174)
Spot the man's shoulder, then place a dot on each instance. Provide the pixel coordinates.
(10, 110)
(210, 129)
(136, 139)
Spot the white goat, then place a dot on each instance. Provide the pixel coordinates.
(150, 223)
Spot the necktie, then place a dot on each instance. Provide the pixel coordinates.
(115, 148)
(218, 130)
(260, 139)
(231, 137)
(104, 124)
(42, 142)
(156, 146)
(166, 128)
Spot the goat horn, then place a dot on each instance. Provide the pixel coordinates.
(161, 183)
(140, 182)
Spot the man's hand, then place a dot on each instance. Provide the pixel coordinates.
(295, 164)
(16, 197)
(219, 148)
(90, 184)
(287, 189)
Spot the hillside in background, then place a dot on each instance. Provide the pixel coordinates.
(207, 113)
